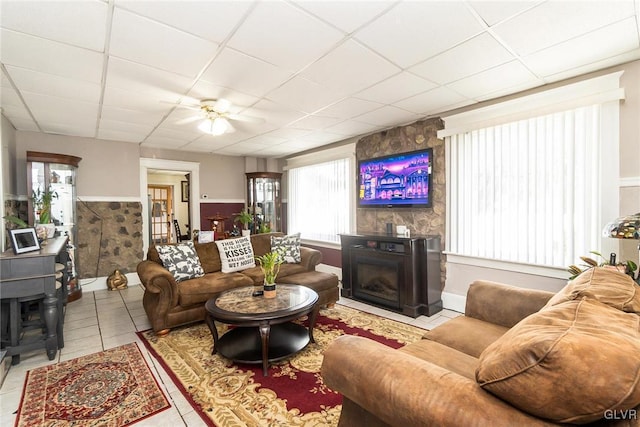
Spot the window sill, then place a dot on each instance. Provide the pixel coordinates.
(516, 267)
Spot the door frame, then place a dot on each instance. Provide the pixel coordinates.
(194, 191)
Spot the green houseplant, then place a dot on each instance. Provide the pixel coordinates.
(244, 218)
(270, 266)
(628, 267)
(42, 203)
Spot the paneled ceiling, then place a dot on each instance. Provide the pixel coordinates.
(312, 72)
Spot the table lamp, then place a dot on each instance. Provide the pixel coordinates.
(626, 227)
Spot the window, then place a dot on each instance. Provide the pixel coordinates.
(533, 190)
(320, 201)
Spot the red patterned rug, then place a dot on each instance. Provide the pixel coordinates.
(110, 388)
(228, 394)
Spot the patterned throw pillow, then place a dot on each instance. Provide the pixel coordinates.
(236, 254)
(288, 247)
(181, 260)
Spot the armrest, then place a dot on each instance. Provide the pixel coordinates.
(309, 258)
(157, 279)
(502, 304)
(403, 390)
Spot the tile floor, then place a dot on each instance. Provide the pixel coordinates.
(104, 319)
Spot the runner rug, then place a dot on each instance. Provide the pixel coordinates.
(111, 388)
(228, 394)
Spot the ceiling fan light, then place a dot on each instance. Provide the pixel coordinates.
(217, 126)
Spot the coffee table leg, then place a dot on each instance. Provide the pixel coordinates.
(264, 336)
(312, 322)
(212, 327)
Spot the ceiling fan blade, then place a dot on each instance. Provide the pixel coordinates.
(222, 105)
(242, 118)
(188, 120)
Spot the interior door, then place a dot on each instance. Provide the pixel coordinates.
(161, 197)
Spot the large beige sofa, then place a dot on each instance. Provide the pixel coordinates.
(517, 357)
(169, 304)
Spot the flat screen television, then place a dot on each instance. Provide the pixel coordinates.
(398, 180)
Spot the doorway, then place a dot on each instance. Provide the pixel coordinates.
(161, 201)
(179, 170)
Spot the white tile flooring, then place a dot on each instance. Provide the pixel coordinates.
(105, 319)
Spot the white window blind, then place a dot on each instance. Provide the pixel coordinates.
(319, 200)
(527, 191)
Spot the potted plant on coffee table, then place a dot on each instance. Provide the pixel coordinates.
(245, 218)
(270, 266)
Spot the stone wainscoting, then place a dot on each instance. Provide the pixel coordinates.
(109, 237)
(426, 221)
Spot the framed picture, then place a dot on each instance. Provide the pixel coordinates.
(24, 240)
(185, 190)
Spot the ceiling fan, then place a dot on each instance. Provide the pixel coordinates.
(215, 115)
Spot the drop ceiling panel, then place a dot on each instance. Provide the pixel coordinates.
(439, 99)
(11, 102)
(49, 84)
(612, 40)
(555, 21)
(22, 123)
(359, 68)
(473, 56)
(118, 135)
(129, 100)
(346, 15)
(350, 107)
(50, 109)
(136, 128)
(151, 43)
(276, 114)
(245, 73)
(433, 26)
(284, 35)
(59, 21)
(131, 116)
(163, 85)
(304, 95)
(387, 116)
(211, 20)
(493, 12)
(395, 88)
(496, 79)
(74, 129)
(206, 90)
(50, 57)
(352, 128)
(311, 122)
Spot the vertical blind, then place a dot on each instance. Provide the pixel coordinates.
(318, 199)
(527, 191)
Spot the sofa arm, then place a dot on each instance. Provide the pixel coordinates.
(403, 390)
(502, 304)
(309, 258)
(157, 280)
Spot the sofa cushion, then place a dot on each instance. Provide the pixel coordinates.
(236, 254)
(570, 363)
(209, 256)
(466, 334)
(181, 260)
(199, 290)
(288, 247)
(606, 285)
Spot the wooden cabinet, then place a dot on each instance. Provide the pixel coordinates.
(33, 274)
(57, 172)
(264, 202)
(396, 273)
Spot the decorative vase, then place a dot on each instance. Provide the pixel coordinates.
(269, 290)
(246, 233)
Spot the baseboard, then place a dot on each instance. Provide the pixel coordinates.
(454, 302)
(100, 283)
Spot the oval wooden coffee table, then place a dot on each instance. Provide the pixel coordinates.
(265, 331)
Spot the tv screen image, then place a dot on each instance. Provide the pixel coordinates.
(399, 180)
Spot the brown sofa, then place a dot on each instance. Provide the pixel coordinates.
(169, 304)
(517, 357)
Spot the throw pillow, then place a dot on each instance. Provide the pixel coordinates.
(570, 363)
(181, 260)
(236, 254)
(288, 247)
(606, 285)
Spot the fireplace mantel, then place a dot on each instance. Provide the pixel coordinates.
(396, 273)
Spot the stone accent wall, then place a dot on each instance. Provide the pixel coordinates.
(425, 221)
(109, 237)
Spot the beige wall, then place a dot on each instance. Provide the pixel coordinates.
(460, 276)
(7, 156)
(107, 169)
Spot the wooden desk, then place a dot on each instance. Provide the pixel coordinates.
(28, 274)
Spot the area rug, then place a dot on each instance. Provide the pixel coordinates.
(229, 394)
(111, 388)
